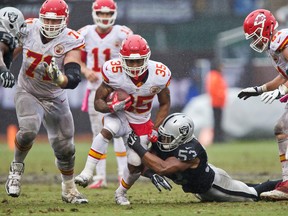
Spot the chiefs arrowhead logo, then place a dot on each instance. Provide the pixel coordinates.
(260, 19)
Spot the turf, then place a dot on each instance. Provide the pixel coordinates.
(250, 161)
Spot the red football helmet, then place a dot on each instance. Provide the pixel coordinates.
(104, 6)
(259, 25)
(135, 47)
(57, 10)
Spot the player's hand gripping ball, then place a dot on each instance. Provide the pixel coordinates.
(118, 100)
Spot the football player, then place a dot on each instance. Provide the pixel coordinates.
(143, 79)
(51, 64)
(260, 26)
(11, 21)
(178, 155)
(102, 43)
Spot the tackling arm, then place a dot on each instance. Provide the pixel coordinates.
(164, 106)
(161, 167)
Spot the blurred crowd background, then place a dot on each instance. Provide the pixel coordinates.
(186, 35)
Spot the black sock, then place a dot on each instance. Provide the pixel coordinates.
(265, 186)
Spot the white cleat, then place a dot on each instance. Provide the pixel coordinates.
(98, 182)
(280, 193)
(13, 183)
(83, 180)
(70, 194)
(121, 197)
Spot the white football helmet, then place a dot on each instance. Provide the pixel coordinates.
(56, 10)
(12, 20)
(175, 130)
(104, 6)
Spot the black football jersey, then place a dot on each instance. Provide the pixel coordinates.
(7, 39)
(198, 180)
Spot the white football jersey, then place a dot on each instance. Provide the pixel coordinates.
(101, 49)
(32, 76)
(278, 43)
(142, 96)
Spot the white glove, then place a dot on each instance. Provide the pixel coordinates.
(6, 77)
(270, 96)
(160, 181)
(53, 72)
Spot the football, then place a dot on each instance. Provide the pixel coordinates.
(121, 95)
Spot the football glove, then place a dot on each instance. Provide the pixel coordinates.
(153, 136)
(117, 105)
(251, 91)
(133, 142)
(53, 72)
(6, 77)
(160, 181)
(270, 96)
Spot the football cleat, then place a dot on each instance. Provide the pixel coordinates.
(83, 180)
(98, 182)
(13, 183)
(280, 193)
(70, 194)
(121, 197)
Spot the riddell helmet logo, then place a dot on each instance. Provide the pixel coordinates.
(260, 19)
(12, 17)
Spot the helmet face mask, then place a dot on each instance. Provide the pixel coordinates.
(176, 129)
(53, 17)
(12, 20)
(107, 7)
(135, 49)
(259, 26)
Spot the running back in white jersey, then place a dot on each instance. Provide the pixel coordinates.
(100, 49)
(278, 43)
(33, 77)
(142, 96)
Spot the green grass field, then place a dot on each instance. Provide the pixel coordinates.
(250, 161)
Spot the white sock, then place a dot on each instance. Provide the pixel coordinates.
(121, 156)
(101, 167)
(96, 151)
(283, 154)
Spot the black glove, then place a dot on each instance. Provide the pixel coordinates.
(6, 77)
(159, 181)
(251, 91)
(133, 142)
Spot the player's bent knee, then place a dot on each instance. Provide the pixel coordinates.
(135, 169)
(25, 138)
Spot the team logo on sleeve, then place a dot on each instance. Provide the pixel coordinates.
(155, 90)
(59, 49)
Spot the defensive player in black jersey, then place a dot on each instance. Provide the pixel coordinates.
(179, 156)
(11, 20)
